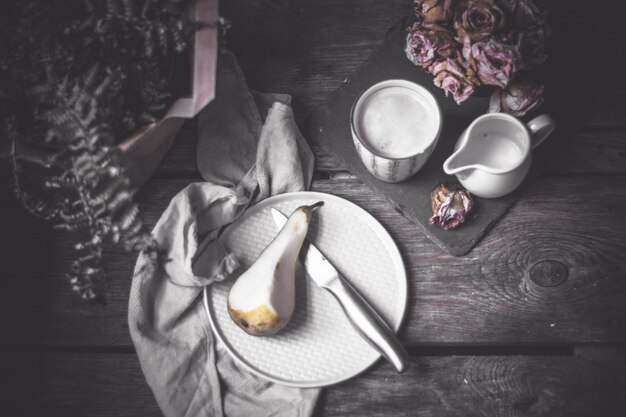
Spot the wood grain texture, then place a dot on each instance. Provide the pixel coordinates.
(301, 46)
(566, 220)
(599, 149)
(573, 216)
(485, 386)
(484, 297)
(75, 384)
(309, 49)
(591, 152)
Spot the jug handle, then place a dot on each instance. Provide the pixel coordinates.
(540, 128)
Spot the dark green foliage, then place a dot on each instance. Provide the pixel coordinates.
(77, 77)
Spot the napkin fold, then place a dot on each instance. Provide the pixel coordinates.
(249, 148)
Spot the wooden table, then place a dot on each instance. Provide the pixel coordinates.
(531, 322)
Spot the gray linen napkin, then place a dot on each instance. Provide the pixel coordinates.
(249, 148)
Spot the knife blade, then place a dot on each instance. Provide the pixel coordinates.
(365, 320)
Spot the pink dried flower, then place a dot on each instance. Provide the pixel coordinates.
(451, 204)
(453, 79)
(431, 11)
(452, 85)
(478, 19)
(424, 43)
(419, 47)
(520, 97)
(469, 43)
(445, 44)
(495, 62)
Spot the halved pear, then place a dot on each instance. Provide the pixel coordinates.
(263, 298)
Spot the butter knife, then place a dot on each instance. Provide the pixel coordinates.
(362, 316)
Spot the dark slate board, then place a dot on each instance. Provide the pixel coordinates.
(330, 127)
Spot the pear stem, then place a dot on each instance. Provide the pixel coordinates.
(316, 205)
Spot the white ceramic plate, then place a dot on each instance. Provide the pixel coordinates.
(319, 346)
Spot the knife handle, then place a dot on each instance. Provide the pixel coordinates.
(369, 324)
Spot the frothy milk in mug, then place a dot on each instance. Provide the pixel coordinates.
(395, 127)
(396, 123)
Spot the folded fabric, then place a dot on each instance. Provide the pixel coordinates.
(249, 148)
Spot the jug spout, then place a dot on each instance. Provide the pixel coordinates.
(455, 165)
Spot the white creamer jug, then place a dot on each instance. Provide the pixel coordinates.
(493, 155)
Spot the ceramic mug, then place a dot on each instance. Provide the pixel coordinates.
(395, 127)
(493, 155)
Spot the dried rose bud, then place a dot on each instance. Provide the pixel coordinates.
(495, 62)
(445, 44)
(420, 47)
(431, 11)
(451, 205)
(478, 19)
(453, 79)
(425, 42)
(520, 97)
(531, 45)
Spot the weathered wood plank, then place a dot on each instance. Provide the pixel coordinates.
(491, 296)
(485, 386)
(309, 49)
(598, 150)
(590, 152)
(488, 296)
(490, 290)
(313, 47)
(269, 40)
(75, 384)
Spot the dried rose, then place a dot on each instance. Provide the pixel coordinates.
(469, 43)
(451, 204)
(523, 14)
(431, 11)
(446, 46)
(453, 79)
(424, 43)
(520, 97)
(478, 19)
(495, 62)
(419, 47)
(531, 46)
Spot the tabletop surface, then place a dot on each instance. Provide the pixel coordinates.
(532, 322)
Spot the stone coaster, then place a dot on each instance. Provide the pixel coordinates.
(330, 128)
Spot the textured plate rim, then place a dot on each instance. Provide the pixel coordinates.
(395, 255)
